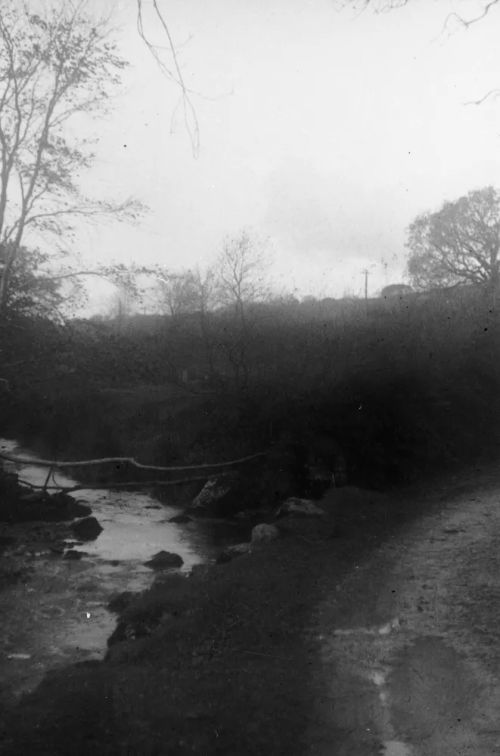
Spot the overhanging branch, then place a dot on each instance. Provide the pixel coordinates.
(176, 75)
(127, 460)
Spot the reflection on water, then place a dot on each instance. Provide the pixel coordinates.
(57, 613)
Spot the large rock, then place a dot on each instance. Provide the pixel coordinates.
(87, 529)
(212, 492)
(232, 552)
(299, 508)
(263, 533)
(164, 560)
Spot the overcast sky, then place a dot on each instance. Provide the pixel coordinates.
(325, 130)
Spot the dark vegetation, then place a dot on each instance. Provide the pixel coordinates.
(401, 386)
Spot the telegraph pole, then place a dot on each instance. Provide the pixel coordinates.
(366, 273)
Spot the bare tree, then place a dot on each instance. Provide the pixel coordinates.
(240, 270)
(205, 283)
(240, 281)
(53, 69)
(177, 293)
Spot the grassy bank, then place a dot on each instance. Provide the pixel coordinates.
(222, 661)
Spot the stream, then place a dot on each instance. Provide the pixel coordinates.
(56, 613)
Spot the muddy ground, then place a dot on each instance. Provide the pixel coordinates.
(409, 642)
(372, 630)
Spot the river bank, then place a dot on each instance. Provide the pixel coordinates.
(221, 661)
(56, 587)
(227, 658)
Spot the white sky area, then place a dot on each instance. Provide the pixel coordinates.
(324, 130)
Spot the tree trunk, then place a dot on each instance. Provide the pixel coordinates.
(5, 277)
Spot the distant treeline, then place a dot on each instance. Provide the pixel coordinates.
(402, 384)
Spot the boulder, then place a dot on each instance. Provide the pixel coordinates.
(263, 533)
(87, 529)
(164, 560)
(299, 508)
(213, 490)
(232, 552)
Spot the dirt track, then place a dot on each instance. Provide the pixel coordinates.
(409, 641)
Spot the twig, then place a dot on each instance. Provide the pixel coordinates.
(474, 20)
(492, 93)
(175, 74)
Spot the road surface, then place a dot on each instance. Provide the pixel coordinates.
(409, 641)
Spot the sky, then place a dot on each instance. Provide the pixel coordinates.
(323, 130)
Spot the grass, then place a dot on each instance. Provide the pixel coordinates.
(223, 660)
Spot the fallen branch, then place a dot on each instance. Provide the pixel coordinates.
(127, 460)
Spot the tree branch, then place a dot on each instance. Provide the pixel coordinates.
(86, 212)
(129, 461)
(474, 20)
(492, 93)
(190, 117)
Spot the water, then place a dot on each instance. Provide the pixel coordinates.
(57, 613)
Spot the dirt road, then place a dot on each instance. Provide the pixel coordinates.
(409, 641)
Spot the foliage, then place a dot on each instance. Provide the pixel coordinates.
(30, 291)
(401, 384)
(458, 243)
(55, 68)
